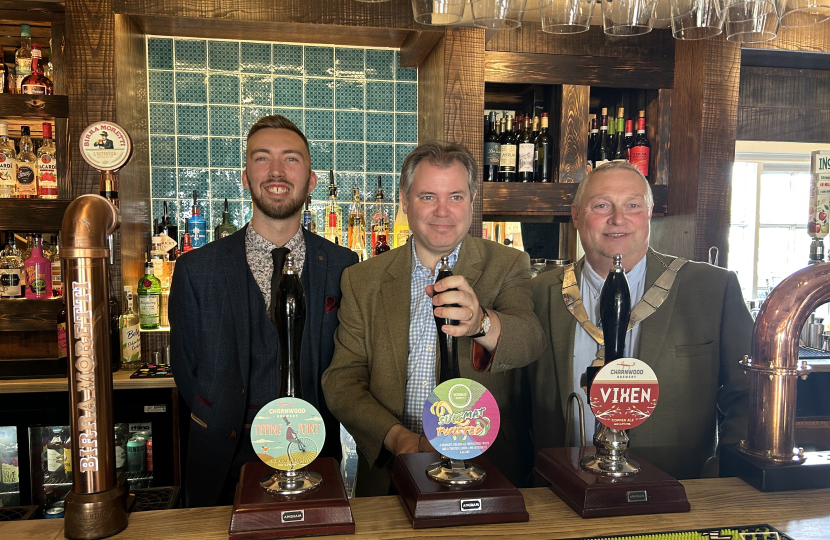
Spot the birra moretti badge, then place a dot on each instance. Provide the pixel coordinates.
(288, 434)
(624, 393)
(461, 418)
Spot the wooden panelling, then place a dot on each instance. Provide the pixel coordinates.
(658, 129)
(394, 14)
(31, 344)
(431, 90)
(529, 38)
(42, 215)
(133, 179)
(10, 38)
(22, 314)
(417, 46)
(633, 72)
(535, 199)
(90, 75)
(573, 137)
(61, 132)
(272, 31)
(27, 106)
(778, 104)
(24, 12)
(814, 38)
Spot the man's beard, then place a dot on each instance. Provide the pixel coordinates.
(285, 210)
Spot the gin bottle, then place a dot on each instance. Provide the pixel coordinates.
(226, 228)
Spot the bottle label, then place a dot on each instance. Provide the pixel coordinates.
(7, 176)
(223, 234)
(47, 175)
(818, 224)
(639, 156)
(148, 309)
(36, 280)
(62, 349)
(307, 221)
(10, 471)
(526, 151)
(158, 268)
(22, 69)
(130, 344)
(120, 457)
(67, 460)
(11, 283)
(507, 158)
(54, 459)
(492, 154)
(26, 180)
(33, 89)
(197, 234)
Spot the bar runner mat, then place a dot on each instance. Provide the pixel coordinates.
(152, 371)
(753, 532)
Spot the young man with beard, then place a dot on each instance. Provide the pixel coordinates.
(223, 341)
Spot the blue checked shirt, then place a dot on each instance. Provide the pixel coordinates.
(423, 341)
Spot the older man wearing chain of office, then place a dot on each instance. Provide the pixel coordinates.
(688, 322)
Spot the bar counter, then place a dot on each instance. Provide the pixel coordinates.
(723, 502)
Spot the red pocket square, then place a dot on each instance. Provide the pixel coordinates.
(332, 304)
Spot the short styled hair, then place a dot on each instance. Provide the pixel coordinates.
(441, 155)
(277, 121)
(611, 167)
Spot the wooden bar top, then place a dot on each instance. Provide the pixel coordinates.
(120, 381)
(722, 502)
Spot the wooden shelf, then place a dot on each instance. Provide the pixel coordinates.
(542, 200)
(22, 314)
(32, 215)
(120, 381)
(36, 107)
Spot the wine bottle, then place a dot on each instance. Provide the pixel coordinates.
(447, 345)
(641, 147)
(593, 143)
(619, 147)
(612, 136)
(290, 321)
(508, 153)
(544, 148)
(604, 150)
(526, 151)
(492, 151)
(629, 138)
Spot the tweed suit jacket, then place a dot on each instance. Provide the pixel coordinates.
(210, 337)
(693, 342)
(365, 384)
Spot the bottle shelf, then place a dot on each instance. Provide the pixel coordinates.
(32, 215)
(516, 199)
(35, 107)
(159, 329)
(22, 314)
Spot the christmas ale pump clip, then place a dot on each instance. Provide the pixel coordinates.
(606, 480)
(287, 435)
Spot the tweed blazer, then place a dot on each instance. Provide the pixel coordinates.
(365, 384)
(693, 342)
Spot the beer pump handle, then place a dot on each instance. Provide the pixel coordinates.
(290, 322)
(614, 312)
(447, 345)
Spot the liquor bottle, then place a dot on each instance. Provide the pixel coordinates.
(36, 82)
(47, 166)
(641, 147)
(187, 240)
(23, 57)
(120, 443)
(37, 272)
(26, 167)
(157, 257)
(30, 242)
(492, 151)
(536, 127)
(63, 351)
(544, 150)
(615, 311)
(225, 228)
(447, 345)
(526, 152)
(509, 153)
(8, 161)
(334, 216)
(289, 318)
(359, 245)
(67, 453)
(309, 217)
(355, 212)
(401, 229)
(168, 228)
(619, 147)
(11, 270)
(379, 219)
(149, 297)
(198, 227)
(4, 75)
(55, 258)
(129, 333)
(593, 143)
(48, 68)
(382, 246)
(629, 138)
(603, 154)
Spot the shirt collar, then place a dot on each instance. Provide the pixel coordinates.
(595, 281)
(259, 242)
(418, 267)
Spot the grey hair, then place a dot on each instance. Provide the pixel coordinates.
(441, 155)
(611, 167)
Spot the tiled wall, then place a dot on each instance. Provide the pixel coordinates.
(357, 107)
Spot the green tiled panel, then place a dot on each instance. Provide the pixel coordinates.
(357, 107)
